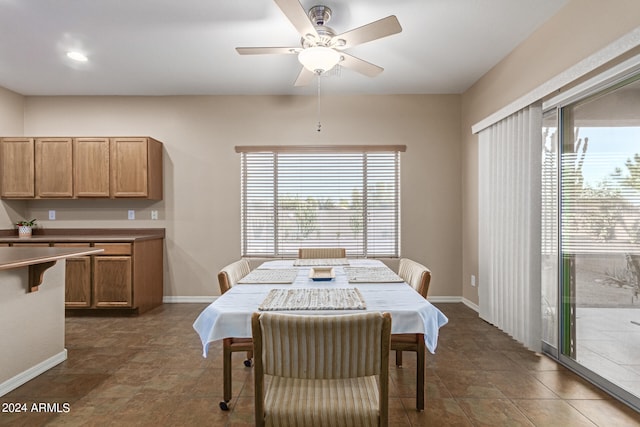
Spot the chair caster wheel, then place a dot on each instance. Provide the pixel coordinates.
(224, 406)
(247, 363)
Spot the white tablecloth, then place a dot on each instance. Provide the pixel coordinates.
(230, 314)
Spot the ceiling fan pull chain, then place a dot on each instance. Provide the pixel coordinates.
(319, 124)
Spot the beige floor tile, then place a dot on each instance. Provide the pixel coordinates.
(149, 371)
(493, 412)
(552, 413)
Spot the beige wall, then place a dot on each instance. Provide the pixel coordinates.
(11, 124)
(201, 207)
(580, 29)
(31, 324)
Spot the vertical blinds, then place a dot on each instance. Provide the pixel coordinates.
(301, 198)
(509, 216)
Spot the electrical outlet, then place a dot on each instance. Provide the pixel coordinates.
(131, 214)
(52, 215)
(154, 214)
(473, 280)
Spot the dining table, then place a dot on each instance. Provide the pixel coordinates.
(339, 286)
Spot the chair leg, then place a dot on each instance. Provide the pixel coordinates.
(420, 361)
(226, 377)
(247, 361)
(399, 358)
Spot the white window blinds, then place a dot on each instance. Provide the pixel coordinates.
(294, 198)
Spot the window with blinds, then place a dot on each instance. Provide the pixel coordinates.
(323, 197)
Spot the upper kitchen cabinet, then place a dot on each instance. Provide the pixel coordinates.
(81, 167)
(17, 161)
(54, 168)
(91, 167)
(136, 168)
(36, 168)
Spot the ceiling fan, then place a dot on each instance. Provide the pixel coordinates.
(321, 48)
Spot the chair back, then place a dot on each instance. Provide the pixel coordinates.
(230, 274)
(308, 253)
(416, 275)
(322, 347)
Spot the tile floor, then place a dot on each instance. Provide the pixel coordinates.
(148, 371)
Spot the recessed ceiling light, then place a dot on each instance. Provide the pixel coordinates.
(77, 56)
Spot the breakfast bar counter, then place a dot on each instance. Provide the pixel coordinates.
(32, 286)
(32, 256)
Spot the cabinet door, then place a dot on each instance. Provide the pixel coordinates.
(54, 167)
(112, 281)
(17, 158)
(77, 288)
(91, 167)
(129, 167)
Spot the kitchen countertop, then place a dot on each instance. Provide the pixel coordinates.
(80, 235)
(25, 256)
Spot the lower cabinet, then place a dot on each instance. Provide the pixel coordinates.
(112, 281)
(125, 276)
(77, 290)
(112, 276)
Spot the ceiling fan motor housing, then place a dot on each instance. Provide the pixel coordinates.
(325, 38)
(319, 15)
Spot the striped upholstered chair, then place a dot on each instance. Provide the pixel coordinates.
(308, 253)
(419, 277)
(230, 274)
(321, 370)
(228, 277)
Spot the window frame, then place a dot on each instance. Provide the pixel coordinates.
(275, 245)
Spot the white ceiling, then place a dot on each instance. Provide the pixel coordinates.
(187, 47)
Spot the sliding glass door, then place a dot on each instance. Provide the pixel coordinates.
(549, 227)
(593, 314)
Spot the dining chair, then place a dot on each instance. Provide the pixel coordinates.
(309, 253)
(321, 370)
(227, 278)
(418, 277)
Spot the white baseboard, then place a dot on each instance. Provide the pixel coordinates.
(463, 300)
(31, 373)
(471, 305)
(444, 299)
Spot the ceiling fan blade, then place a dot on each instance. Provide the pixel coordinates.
(304, 78)
(373, 31)
(268, 50)
(359, 65)
(294, 11)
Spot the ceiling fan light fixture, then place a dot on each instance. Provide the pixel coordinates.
(77, 56)
(319, 59)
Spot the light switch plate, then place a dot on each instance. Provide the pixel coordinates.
(154, 214)
(131, 214)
